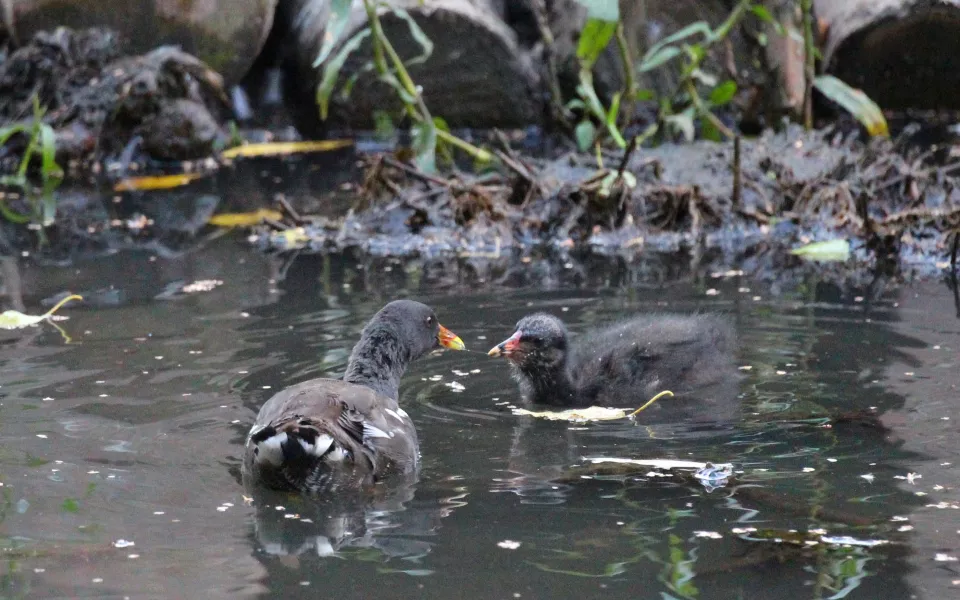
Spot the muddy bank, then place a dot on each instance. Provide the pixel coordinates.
(893, 205)
(558, 221)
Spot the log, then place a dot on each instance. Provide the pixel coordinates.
(227, 35)
(901, 53)
(477, 75)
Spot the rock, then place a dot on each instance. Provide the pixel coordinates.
(225, 34)
(477, 75)
(181, 130)
(901, 53)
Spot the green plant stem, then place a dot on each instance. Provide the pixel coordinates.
(721, 32)
(628, 69)
(382, 45)
(809, 71)
(705, 112)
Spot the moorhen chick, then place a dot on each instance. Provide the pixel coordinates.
(621, 365)
(326, 434)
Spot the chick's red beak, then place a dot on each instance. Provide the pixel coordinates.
(449, 339)
(507, 347)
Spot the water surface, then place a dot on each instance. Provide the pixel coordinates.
(119, 451)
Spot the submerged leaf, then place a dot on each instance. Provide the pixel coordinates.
(155, 182)
(12, 319)
(286, 148)
(855, 102)
(247, 219)
(830, 250)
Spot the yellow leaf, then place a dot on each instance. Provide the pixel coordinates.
(12, 319)
(289, 239)
(247, 219)
(155, 182)
(592, 413)
(285, 148)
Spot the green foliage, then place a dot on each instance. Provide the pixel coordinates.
(855, 102)
(430, 134)
(41, 141)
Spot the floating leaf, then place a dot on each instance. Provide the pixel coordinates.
(155, 182)
(70, 505)
(247, 219)
(828, 251)
(286, 148)
(12, 319)
(592, 413)
(855, 102)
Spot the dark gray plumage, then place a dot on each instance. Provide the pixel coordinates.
(325, 434)
(620, 365)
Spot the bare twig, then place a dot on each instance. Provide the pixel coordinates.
(560, 112)
(806, 6)
(737, 181)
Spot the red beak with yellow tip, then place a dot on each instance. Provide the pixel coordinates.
(449, 339)
(507, 347)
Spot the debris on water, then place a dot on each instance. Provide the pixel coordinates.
(846, 540)
(203, 285)
(869, 477)
(455, 386)
(122, 543)
(713, 476)
(576, 415)
(23, 505)
(710, 535)
(944, 557)
(508, 544)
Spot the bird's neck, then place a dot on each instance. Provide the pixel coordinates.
(378, 362)
(550, 386)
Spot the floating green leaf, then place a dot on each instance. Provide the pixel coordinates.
(828, 251)
(855, 102)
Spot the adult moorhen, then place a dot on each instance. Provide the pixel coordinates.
(326, 434)
(621, 365)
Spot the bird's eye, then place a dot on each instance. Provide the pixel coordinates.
(430, 321)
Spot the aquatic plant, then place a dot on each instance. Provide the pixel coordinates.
(430, 133)
(698, 93)
(41, 141)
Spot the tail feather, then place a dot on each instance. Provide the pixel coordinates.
(293, 444)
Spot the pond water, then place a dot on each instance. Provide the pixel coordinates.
(120, 451)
